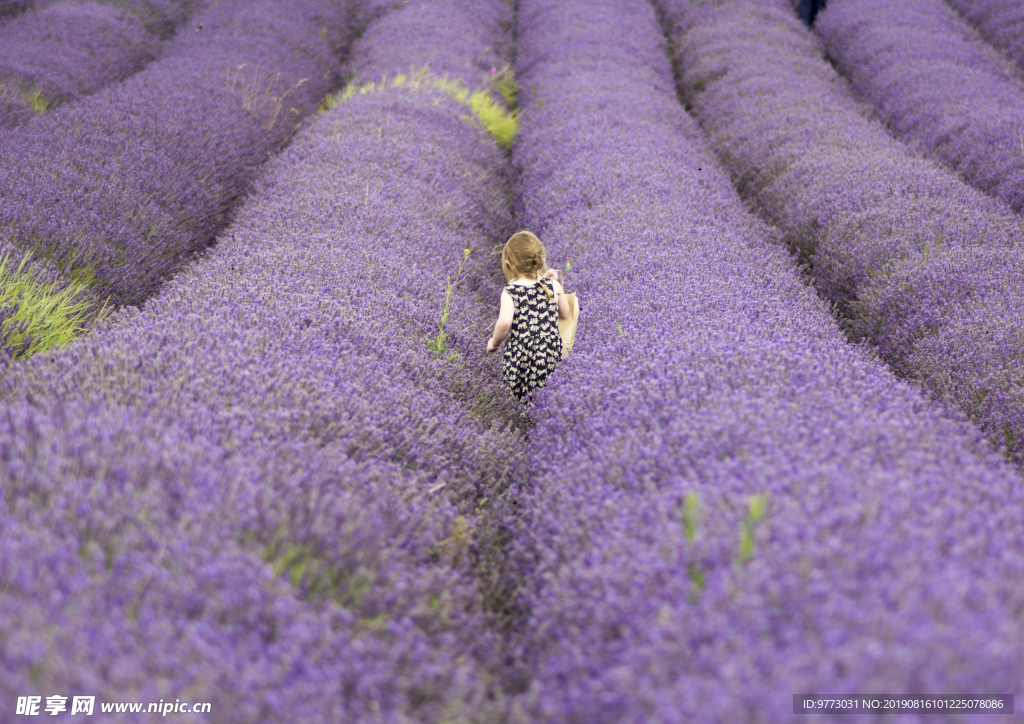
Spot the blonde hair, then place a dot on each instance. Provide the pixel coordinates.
(523, 256)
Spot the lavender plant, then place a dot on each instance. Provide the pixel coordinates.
(260, 490)
(13, 7)
(64, 52)
(999, 21)
(159, 17)
(67, 50)
(130, 181)
(729, 503)
(936, 84)
(902, 248)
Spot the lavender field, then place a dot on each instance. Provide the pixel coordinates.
(253, 454)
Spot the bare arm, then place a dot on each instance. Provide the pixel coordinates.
(504, 323)
(564, 310)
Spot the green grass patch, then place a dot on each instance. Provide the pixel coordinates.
(35, 316)
(500, 120)
(504, 81)
(35, 99)
(500, 123)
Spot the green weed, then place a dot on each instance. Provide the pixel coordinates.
(439, 344)
(504, 81)
(35, 99)
(40, 316)
(696, 577)
(691, 516)
(302, 565)
(500, 123)
(756, 507)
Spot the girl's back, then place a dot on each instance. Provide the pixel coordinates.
(533, 348)
(530, 309)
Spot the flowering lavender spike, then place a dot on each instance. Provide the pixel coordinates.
(885, 550)
(936, 84)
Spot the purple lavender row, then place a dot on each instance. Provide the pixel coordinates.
(13, 7)
(904, 249)
(1000, 22)
(126, 183)
(158, 17)
(729, 504)
(61, 53)
(936, 84)
(250, 492)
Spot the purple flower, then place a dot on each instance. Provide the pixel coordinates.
(845, 534)
(63, 51)
(900, 246)
(936, 84)
(262, 490)
(124, 185)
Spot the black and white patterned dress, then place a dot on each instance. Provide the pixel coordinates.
(533, 348)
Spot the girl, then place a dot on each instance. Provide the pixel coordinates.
(531, 306)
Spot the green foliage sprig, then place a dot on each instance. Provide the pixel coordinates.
(439, 344)
(756, 507)
(691, 515)
(36, 316)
